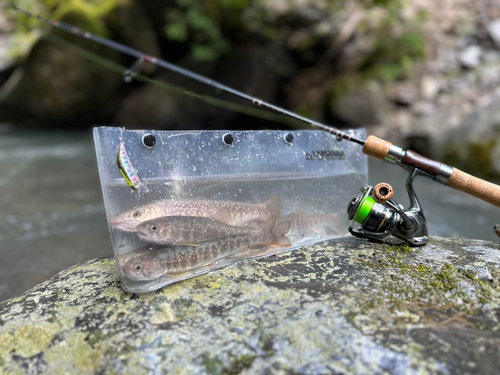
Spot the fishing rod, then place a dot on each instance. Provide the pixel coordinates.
(374, 209)
(141, 56)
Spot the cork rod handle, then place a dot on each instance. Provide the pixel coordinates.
(459, 180)
(481, 189)
(376, 147)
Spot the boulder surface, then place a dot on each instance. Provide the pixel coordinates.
(345, 307)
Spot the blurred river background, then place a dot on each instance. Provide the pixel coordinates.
(422, 74)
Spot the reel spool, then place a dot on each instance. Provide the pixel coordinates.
(381, 217)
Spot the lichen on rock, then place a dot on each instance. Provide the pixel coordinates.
(344, 306)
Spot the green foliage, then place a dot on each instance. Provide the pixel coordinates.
(83, 13)
(393, 58)
(91, 12)
(398, 43)
(197, 22)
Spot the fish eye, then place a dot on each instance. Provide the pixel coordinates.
(135, 214)
(154, 228)
(138, 267)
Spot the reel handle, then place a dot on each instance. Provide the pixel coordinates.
(382, 192)
(449, 176)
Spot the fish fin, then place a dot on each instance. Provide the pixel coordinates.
(283, 241)
(254, 224)
(211, 234)
(282, 228)
(176, 275)
(273, 204)
(321, 230)
(270, 238)
(126, 179)
(192, 243)
(224, 215)
(173, 241)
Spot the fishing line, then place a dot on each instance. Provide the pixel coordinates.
(187, 73)
(221, 103)
(120, 69)
(197, 77)
(409, 160)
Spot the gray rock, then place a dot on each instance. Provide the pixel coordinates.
(474, 144)
(424, 109)
(470, 57)
(491, 56)
(490, 76)
(344, 307)
(429, 88)
(403, 93)
(363, 106)
(494, 31)
(56, 87)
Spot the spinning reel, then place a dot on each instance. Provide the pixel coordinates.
(380, 217)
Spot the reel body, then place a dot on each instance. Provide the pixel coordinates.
(381, 217)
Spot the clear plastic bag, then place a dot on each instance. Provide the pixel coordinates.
(180, 204)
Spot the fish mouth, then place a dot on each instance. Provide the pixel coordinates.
(143, 233)
(125, 225)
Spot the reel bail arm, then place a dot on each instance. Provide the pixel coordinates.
(380, 220)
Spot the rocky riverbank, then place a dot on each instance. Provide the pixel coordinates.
(420, 73)
(345, 306)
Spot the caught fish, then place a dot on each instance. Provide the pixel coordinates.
(190, 230)
(231, 213)
(304, 224)
(152, 262)
(127, 170)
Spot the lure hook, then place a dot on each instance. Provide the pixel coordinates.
(134, 70)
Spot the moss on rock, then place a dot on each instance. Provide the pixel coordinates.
(345, 306)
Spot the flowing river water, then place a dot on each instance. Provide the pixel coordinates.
(52, 214)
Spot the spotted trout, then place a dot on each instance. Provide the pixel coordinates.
(231, 213)
(304, 224)
(153, 261)
(191, 230)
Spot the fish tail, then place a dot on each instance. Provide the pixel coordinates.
(269, 237)
(331, 219)
(325, 224)
(334, 222)
(273, 204)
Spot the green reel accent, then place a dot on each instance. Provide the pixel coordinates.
(364, 209)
